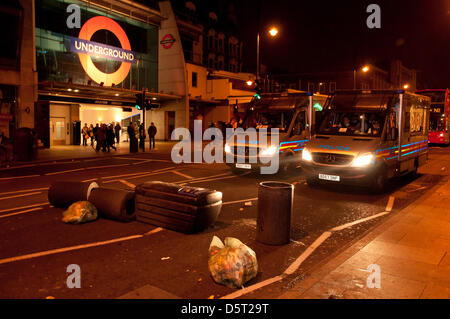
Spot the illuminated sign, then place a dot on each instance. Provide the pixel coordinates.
(87, 48)
(167, 41)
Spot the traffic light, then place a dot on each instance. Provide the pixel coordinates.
(258, 87)
(140, 101)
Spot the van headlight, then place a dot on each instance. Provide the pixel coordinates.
(306, 155)
(227, 148)
(268, 151)
(363, 160)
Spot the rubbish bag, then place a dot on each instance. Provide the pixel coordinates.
(231, 264)
(80, 212)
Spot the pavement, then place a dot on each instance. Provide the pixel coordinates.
(411, 249)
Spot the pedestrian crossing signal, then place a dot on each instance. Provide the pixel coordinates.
(139, 101)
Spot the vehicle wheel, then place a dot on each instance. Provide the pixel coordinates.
(416, 167)
(380, 181)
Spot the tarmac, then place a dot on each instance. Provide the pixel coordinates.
(410, 252)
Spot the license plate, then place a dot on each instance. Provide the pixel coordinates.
(333, 178)
(246, 166)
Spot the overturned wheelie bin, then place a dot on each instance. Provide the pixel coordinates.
(180, 208)
(111, 203)
(65, 193)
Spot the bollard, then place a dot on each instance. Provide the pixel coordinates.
(65, 193)
(113, 203)
(275, 204)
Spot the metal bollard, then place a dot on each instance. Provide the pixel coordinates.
(275, 205)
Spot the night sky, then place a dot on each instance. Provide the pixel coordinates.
(332, 35)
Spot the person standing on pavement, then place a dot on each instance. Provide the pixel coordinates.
(95, 132)
(132, 138)
(85, 133)
(142, 137)
(151, 134)
(110, 138)
(91, 134)
(117, 129)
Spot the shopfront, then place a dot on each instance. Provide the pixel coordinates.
(90, 73)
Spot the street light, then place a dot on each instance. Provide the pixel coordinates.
(406, 86)
(273, 33)
(365, 69)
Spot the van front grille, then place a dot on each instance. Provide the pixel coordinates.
(332, 158)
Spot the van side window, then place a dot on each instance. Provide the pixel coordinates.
(416, 117)
(299, 124)
(391, 127)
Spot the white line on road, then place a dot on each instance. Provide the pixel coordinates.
(21, 195)
(25, 190)
(308, 251)
(67, 171)
(240, 201)
(23, 207)
(358, 221)
(126, 183)
(182, 175)
(65, 249)
(251, 288)
(22, 212)
(16, 177)
(390, 203)
(212, 179)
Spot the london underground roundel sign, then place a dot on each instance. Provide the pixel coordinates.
(86, 48)
(167, 41)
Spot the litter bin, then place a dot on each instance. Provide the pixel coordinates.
(275, 204)
(25, 144)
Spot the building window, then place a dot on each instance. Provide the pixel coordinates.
(194, 79)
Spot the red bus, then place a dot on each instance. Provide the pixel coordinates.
(439, 115)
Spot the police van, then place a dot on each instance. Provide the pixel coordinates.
(368, 136)
(291, 114)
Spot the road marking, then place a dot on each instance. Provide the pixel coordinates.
(22, 212)
(16, 177)
(158, 229)
(240, 201)
(358, 221)
(182, 175)
(21, 195)
(23, 207)
(126, 183)
(390, 203)
(77, 247)
(90, 180)
(25, 190)
(104, 166)
(212, 179)
(251, 288)
(67, 171)
(306, 253)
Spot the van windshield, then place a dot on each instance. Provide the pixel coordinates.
(270, 119)
(353, 123)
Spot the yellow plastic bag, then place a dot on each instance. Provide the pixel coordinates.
(80, 212)
(231, 264)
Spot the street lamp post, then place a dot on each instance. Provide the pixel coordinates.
(365, 69)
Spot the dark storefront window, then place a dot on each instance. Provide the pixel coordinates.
(7, 105)
(11, 16)
(56, 61)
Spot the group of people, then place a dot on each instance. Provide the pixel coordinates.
(105, 136)
(131, 130)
